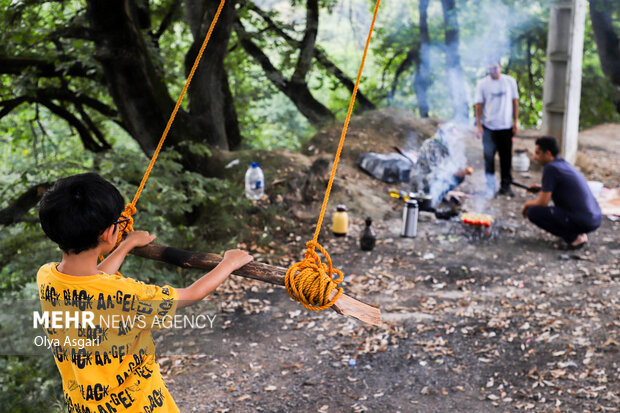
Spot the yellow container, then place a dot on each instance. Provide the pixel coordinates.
(340, 221)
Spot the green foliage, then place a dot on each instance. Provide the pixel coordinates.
(527, 65)
(520, 39)
(166, 207)
(21, 245)
(597, 91)
(30, 384)
(186, 209)
(267, 118)
(597, 96)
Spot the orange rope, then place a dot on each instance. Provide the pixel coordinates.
(311, 281)
(314, 283)
(130, 209)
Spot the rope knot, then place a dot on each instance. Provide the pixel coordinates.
(311, 281)
(130, 210)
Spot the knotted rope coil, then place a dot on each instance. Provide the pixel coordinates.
(311, 281)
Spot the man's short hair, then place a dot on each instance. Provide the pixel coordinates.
(77, 209)
(492, 61)
(548, 143)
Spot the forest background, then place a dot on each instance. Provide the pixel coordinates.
(89, 85)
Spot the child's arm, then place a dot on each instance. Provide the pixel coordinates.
(233, 260)
(134, 239)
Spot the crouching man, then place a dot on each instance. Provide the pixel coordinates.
(575, 211)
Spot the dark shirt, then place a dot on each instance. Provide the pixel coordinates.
(570, 191)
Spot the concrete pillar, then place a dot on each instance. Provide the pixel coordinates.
(562, 89)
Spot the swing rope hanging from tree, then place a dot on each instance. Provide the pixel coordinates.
(310, 281)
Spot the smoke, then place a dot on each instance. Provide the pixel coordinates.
(443, 176)
(485, 31)
(485, 28)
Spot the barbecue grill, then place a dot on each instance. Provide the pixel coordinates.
(478, 226)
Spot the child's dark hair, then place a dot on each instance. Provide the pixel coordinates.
(77, 209)
(548, 143)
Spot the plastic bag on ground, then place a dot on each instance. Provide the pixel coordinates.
(387, 167)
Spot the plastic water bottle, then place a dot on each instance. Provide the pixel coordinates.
(254, 182)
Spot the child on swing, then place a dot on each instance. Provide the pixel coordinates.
(116, 371)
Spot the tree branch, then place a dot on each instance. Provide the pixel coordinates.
(9, 105)
(166, 21)
(297, 91)
(70, 96)
(19, 207)
(345, 305)
(72, 32)
(82, 130)
(67, 95)
(413, 56)
(330, 67)
(16, 65)
(319, 55)
(384, 72)
(304, 61)
(272, 73)
(93, 128)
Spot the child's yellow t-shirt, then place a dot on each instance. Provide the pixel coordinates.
(108, 363)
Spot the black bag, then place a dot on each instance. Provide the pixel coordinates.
(387, 167)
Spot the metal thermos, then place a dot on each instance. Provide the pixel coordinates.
(410, 219)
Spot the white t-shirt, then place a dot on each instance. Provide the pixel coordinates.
(496, 97)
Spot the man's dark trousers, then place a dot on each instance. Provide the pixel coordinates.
(499, 141)
(560, 222)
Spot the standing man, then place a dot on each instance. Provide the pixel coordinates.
(497, 114)
(575, 211)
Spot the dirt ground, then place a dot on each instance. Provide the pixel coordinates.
(506, 323)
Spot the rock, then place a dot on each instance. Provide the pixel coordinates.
(425, 216)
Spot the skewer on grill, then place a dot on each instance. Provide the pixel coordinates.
(527, 188)
(477, 219)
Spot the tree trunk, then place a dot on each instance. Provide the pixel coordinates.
(140, 92)
(454, 71)
(304, 61)
(210, 99)
(420, 54)
(421, 82)
(607, 42)
(137, 87)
